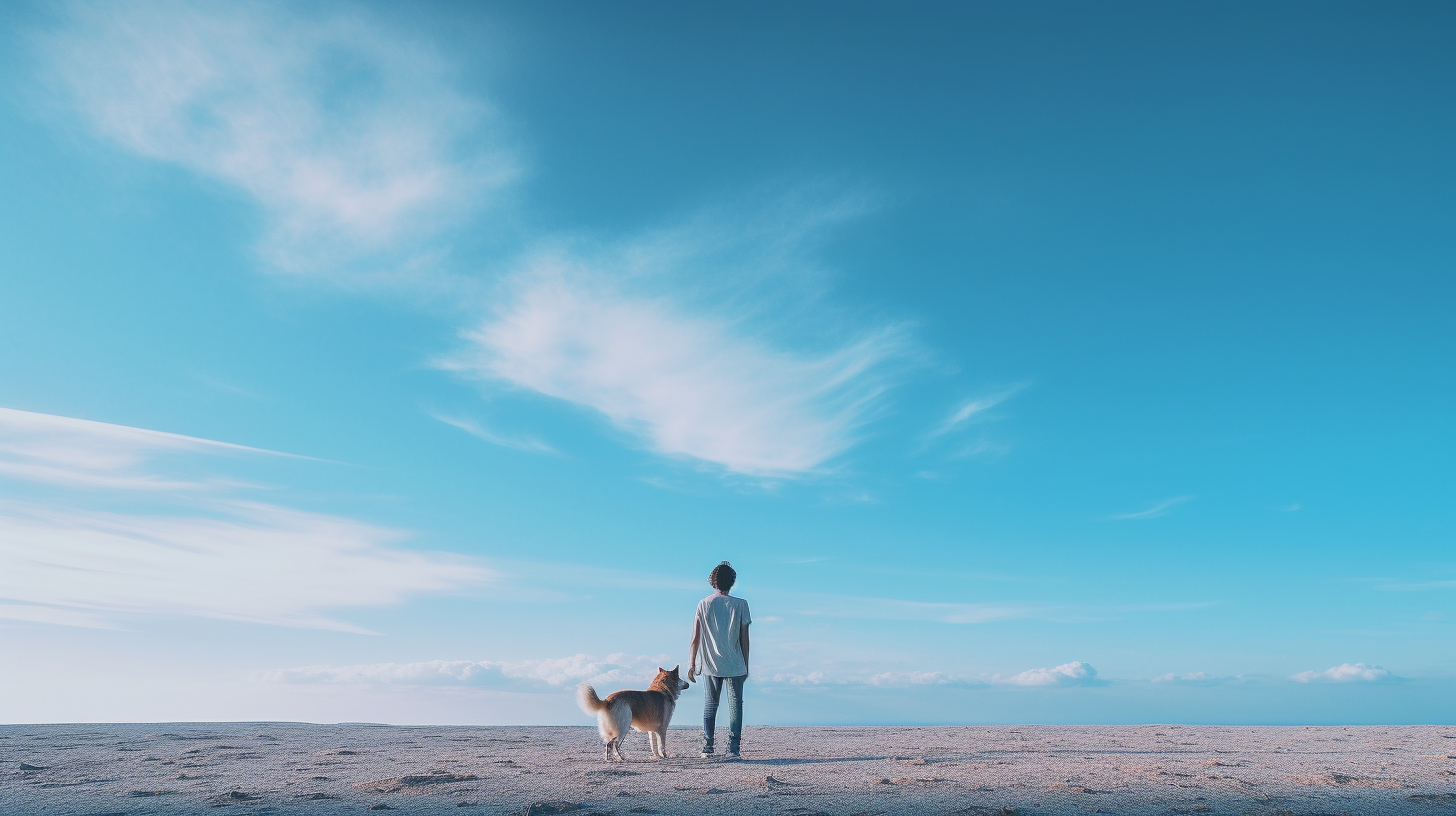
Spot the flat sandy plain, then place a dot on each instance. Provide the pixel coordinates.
(286, 768)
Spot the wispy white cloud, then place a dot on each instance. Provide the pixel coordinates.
(688, 375)
(82, 453)
(64, 561)
(974, 409)
(256, 563)
(1345, 673)
(219, 384)
(350, 135)
(475, 429)
(55, 616)
(1075, 673)
(1162, 508)
(613, 670)
(980, 447)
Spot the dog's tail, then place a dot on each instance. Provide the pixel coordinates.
(587, 698)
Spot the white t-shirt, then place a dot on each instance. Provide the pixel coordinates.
(720, 620)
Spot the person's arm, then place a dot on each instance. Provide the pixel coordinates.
(697, 633)
(743, 644)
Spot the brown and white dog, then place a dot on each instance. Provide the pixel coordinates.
(649, 711)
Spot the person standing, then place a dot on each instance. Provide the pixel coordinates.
(720, 638)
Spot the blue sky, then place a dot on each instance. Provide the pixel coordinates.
(1033, 363)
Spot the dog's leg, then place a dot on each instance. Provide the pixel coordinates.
(617, 724)
(662, 742)
(607, 751)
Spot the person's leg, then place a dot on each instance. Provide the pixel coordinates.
(712, 686)
(735, 713)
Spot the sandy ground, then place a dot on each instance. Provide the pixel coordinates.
(326, 769)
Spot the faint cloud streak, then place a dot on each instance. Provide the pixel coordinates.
(1162, 508)
(475, 429)
(1416, 586)
(259, 564)
(973, 410)
(81, 453)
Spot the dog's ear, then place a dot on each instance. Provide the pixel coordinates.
(675, 668)
(661, 669)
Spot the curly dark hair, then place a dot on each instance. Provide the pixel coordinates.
(723, 576)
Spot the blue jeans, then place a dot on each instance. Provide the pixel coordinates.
(712, 688)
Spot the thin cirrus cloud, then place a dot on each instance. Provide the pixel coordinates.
(344, 163)
(1162, 508)
(69, 558)
(691, 380)
(475, 429)
(973, 410)
(73, 452)
(257, 564)
(1345, 673)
